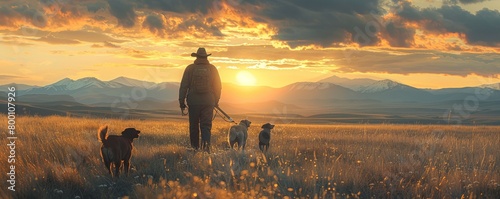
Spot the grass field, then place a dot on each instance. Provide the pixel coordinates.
(58, 157)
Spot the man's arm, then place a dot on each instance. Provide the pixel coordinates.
(183, 89)
(217, 86)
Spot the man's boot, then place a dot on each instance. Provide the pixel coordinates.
(205, 146)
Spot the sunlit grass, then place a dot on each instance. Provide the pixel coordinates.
(58, 157)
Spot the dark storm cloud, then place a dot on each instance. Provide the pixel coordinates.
(199, 24)
(196, 15)
(9, 13)
(154, 24)
(398, 35)
(484, 28)
(330, 22)
(319, 22)
(468, 1)
(96, 6)
(180, 6)
(6, 16)
(123, 11)
(203, 27)
(480, 28)
(325, 23)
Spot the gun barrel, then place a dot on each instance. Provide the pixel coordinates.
(225, 114)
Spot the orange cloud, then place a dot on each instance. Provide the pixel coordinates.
(449, 42)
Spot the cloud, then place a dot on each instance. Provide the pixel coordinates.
(322, 23)
(105, 44)
(140, 54)
(203, 27)
(174, 18)
(269, 52)
(87, 36)
(123, 11)
(140, 65)
(431, 62)
(55, 40)
(12, 13)
(110, 45)
(336, 23)
(94, 7)
(14, 41)
(9, 76)
(294, 23)
(468, 1)
(6, 78)
(73, 37)
(168, 65)
(480, 28)
(181, 6)
(154, 24)
(398, 35)
(364, 60)
(270, 65)
(318, 22)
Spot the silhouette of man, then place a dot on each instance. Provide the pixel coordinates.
(201, 85)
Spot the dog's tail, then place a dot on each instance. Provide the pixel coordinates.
(102, 133)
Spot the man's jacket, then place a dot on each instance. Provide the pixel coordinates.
(195, 98)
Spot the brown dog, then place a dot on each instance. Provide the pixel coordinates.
(265, 136)
(116, 149)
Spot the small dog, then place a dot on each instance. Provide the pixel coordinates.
(265, 136)
(115, 149)
(238, 134)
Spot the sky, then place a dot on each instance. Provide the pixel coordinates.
(422, 43)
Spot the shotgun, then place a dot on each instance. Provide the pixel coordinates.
(217, 108)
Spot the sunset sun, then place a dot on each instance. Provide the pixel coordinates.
(246, 78)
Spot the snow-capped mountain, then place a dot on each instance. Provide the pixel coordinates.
(69, 84)
(329, 99)
(134, 82)
(353, 84)
(384, 85)
(495, 86)
(91, 90)
(391, 91)
(315, 90)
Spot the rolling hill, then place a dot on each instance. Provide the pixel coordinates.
(331, 96)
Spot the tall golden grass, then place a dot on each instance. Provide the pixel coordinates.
(58, 157)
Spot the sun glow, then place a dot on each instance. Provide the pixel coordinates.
(246, 78)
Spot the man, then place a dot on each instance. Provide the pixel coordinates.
(201, 85)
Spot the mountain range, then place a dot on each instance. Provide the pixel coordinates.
(333, 97)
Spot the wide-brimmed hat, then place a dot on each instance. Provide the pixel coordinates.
(200, 53)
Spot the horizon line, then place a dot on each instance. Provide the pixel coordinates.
(232, 83)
